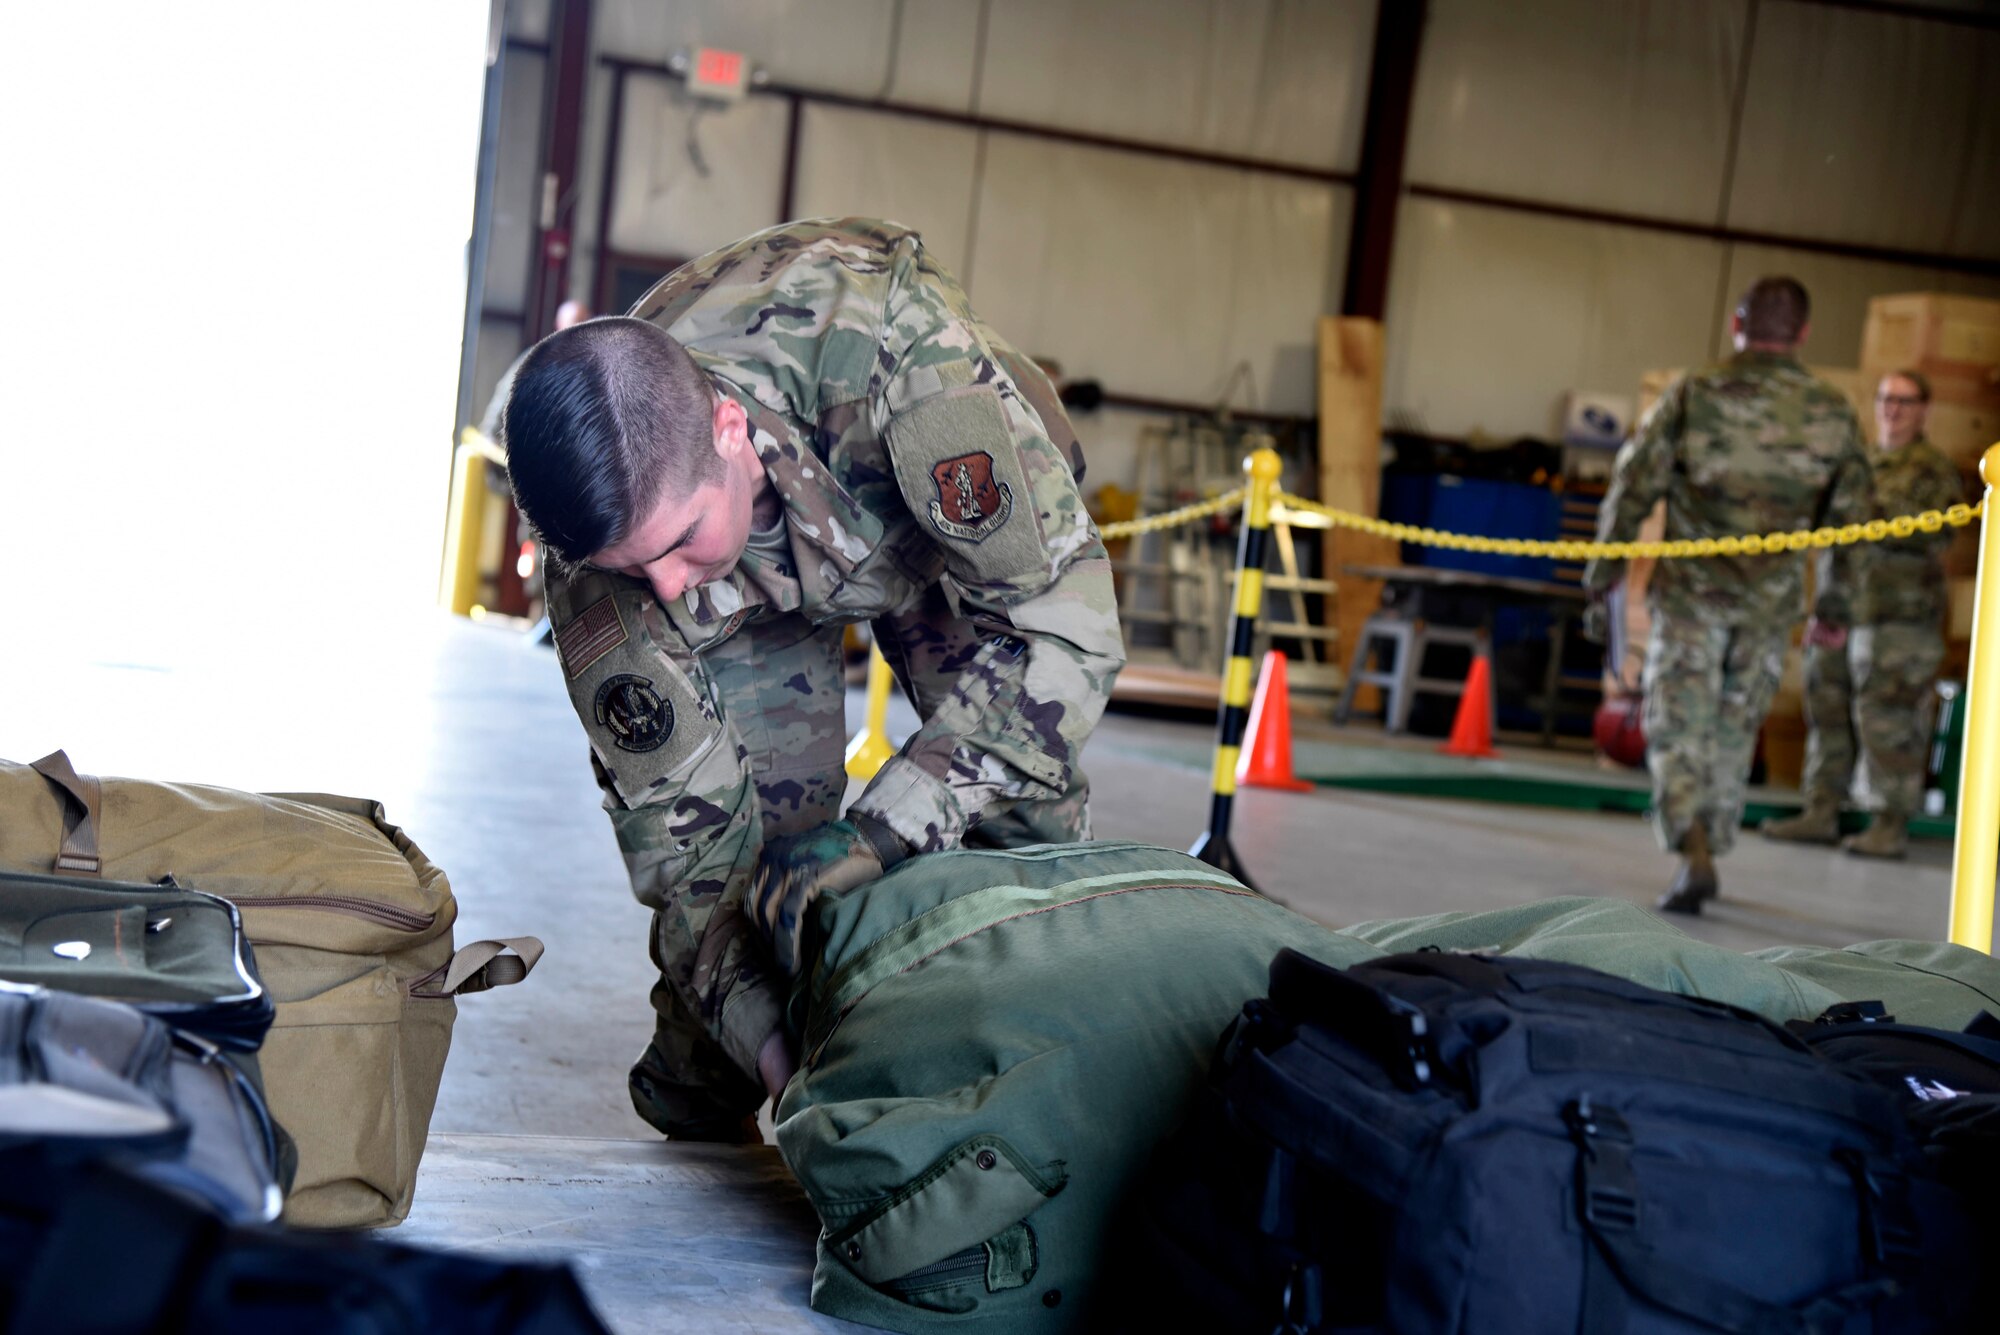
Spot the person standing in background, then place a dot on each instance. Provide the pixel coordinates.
(1754, 444)
(1869, 688)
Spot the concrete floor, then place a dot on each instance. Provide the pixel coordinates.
(464, 732)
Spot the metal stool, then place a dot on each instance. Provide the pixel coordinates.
(1407, 637)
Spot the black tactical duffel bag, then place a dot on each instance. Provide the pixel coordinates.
(1453, 1143)
(89, 1078)
(87, 1248)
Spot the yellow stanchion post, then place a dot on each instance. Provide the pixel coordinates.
(1978, 845)
(459, 588)
(870, 748)
(1213, 847)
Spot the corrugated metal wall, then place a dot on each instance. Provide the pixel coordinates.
(1686, 119)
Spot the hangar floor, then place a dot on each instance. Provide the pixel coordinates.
(463, 731)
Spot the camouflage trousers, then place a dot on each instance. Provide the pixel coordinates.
(1708, 688)
(1872, 696)
(783, 685)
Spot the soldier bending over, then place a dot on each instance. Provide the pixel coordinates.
(803, 430)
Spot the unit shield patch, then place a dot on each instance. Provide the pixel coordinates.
(970, 502)
(638, 717)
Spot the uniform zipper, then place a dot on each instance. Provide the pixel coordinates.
(402, 919)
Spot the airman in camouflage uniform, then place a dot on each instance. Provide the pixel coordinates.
(911, 470)
(1755, 444)
(1875, 688)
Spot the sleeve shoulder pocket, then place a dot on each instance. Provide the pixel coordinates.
(961, 473)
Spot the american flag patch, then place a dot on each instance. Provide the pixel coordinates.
(595, 632)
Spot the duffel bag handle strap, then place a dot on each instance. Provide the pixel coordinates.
(85, 798)
(482, 965)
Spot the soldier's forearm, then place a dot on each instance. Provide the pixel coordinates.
(1016, 718)
(690, 860)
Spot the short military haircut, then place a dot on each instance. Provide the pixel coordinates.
(1775, 310)
(1917, 378)
(602, 417)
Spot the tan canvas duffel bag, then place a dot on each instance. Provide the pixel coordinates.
(351, 924)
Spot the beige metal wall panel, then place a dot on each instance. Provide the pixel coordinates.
(528, 20)
(590, 183)
(1110, 438)
(1969, 285)
(1280, 79)
(1871, 128)
(934, 54)
(1840, 288)
(1494, 315)
(1620, 105)
(499, 344)
(1155, 277)
(517, 178)
(878, 166)
(838, 45)
(665, 205)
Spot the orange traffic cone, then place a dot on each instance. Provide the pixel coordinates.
(1267, 761)
(1472, 730)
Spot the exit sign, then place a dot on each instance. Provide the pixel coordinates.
(723, 75)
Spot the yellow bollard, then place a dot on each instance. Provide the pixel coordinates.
(1214, 848)
(1973, 858)
(459, 588)
(870, 748)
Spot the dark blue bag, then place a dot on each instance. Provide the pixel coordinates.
(1454, 1143)
(87, 1248)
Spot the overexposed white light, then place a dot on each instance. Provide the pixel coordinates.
(234, 252)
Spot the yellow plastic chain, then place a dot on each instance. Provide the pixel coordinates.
(1187, 514)
(1751, 544)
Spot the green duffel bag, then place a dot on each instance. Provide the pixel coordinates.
(994, 1042)
(1931, 983)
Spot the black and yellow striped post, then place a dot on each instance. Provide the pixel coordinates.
(1214, 848)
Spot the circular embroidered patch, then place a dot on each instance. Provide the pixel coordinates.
(638, 717)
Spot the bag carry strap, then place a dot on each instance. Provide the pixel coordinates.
(85, 794)
(480, 966)
(1616, 1264)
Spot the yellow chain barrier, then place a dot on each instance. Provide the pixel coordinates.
(1186, 514)
(1751, 544)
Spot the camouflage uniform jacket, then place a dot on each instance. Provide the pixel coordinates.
(1902, 579)
(1754, 444)
(912, 449)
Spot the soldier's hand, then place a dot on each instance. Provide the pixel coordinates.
(776, 1063)
(798, 868)
(1597, 621)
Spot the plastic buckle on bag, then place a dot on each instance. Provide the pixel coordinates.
(1855, 1012)
(1607, 1189)
(1883, 1200)
(1300, 1308)
(1419, 1052)
(1259, 1027)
